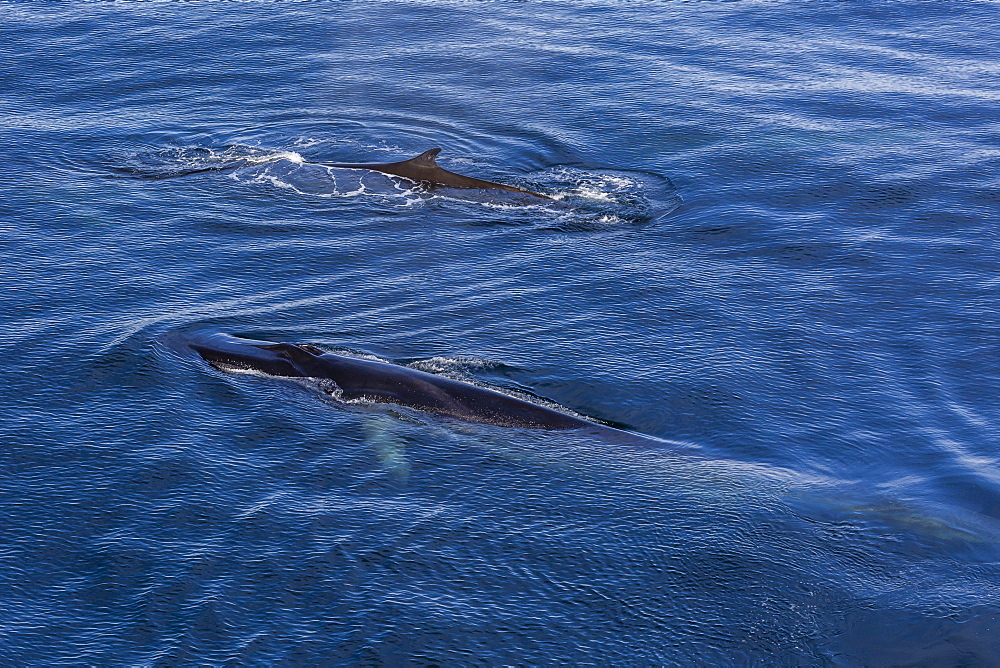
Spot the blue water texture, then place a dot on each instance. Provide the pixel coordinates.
(773, 237)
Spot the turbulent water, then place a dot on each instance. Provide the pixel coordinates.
(773, 236)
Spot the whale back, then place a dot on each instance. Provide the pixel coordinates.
(424, 169)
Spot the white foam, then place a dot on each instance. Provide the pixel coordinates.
(290, 156)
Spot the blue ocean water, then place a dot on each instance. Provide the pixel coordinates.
(774, 236)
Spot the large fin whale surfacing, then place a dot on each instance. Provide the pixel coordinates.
(361, 380)
(424, 169)
(357, 379)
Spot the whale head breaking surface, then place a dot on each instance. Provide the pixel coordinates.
(365, 380)
(368, 381)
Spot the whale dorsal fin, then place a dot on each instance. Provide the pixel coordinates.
(425, 159)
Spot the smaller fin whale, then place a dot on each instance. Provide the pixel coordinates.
(424, 169)
(352, 379)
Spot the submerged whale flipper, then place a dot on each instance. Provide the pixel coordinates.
(424, 169)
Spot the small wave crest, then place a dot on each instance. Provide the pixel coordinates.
(283, 169)
(456, 366)
(180, 161)
(608, 198)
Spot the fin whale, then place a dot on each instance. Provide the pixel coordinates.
(424, 169)
(352, 379)
(379, 382)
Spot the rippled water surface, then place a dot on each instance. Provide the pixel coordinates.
(772, 236)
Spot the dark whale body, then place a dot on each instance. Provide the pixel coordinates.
(370, 380)
(352, 379)
(424, 169)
